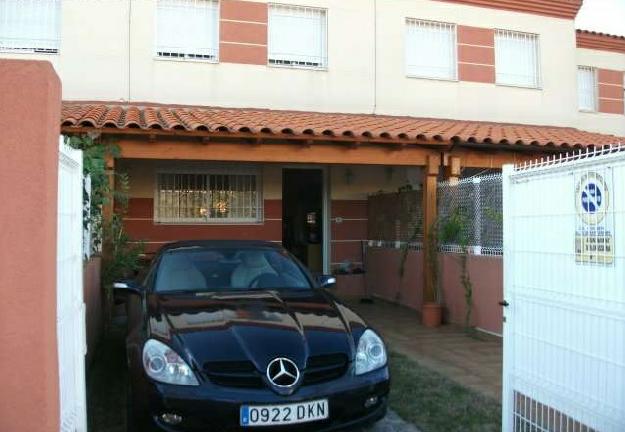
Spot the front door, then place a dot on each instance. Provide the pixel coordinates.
(302, 216)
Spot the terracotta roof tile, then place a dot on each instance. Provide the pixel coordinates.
(600, 41)
(150, 117)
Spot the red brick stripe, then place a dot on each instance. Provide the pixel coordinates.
(476, 36)
(476, 54)
(476, 73)
(243, 32)
(611, 91)
(239, 10)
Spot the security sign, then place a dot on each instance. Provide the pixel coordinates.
(593, 236)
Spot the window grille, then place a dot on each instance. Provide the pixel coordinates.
(517, 59)
(30, 26)
(207, 198)
(187, 29)
(471, 211)
(431, 50)
(587, 88)
(297, 36)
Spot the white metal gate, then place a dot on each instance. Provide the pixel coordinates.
(70, 305)
(564, 282)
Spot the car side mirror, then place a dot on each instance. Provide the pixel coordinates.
(127, 287)
(326, 281)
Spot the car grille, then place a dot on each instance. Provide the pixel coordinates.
(325, 368)
(243, 374)
(234, 374)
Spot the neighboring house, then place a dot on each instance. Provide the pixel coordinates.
(321, 103)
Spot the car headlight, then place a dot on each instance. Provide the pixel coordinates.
(371, 354)
(163, 364)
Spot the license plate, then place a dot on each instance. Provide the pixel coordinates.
(267, 415)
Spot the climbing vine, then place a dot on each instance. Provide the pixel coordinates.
(120, 257)
(453, 230)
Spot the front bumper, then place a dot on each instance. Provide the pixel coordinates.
(213, 408)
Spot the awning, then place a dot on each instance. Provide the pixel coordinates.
(262, 124)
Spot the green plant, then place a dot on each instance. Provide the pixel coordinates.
(405, 248)
(120, 256)
(453, 230)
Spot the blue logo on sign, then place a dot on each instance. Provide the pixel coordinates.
(245, 415)
(592, 198)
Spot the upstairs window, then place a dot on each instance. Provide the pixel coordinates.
(187, 29)
(587, 88)
(216, 196)
(297, 36)
(30, 26)
(431, 50)
(517, 59)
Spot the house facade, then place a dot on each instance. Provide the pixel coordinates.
(276, 121)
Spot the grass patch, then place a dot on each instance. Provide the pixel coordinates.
(434, 403)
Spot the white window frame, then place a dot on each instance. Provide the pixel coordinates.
(595, 90)
(537, 52)
(28, 45)
(215, 170)
(323, 63)
(188, 56)
(454, 61)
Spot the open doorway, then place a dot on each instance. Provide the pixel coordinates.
(302, 216)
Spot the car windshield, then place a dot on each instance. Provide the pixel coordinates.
(205, 269)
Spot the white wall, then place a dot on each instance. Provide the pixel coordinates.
(346, 85)
(555, 103)
(96, 48)
(601, 122)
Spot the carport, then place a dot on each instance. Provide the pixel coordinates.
(264, 156)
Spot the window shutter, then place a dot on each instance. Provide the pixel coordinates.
(297, 36)
(517, 59)
(587, 88)
(187, 29)
(30, 25)
(431, 49)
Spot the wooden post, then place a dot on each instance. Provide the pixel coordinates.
(429, 218)
(109, 208)
(452, 170)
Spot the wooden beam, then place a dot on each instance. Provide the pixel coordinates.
(238, 136)
(429, 219)
(285, 153)
(109, 207)
(486, 158)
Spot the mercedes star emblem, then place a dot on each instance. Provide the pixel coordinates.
(282, 372)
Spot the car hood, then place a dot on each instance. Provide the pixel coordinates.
(254, 326)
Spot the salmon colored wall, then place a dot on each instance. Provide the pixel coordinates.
(486, 273)
(382, 277)
(93, 302)
(382, 280)
(348, 231)
(30, 108)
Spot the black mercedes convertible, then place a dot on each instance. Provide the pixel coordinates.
(238, 335)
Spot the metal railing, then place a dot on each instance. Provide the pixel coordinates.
(470, 215)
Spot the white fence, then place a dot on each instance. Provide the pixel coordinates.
(70, 306)
(564, 281)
